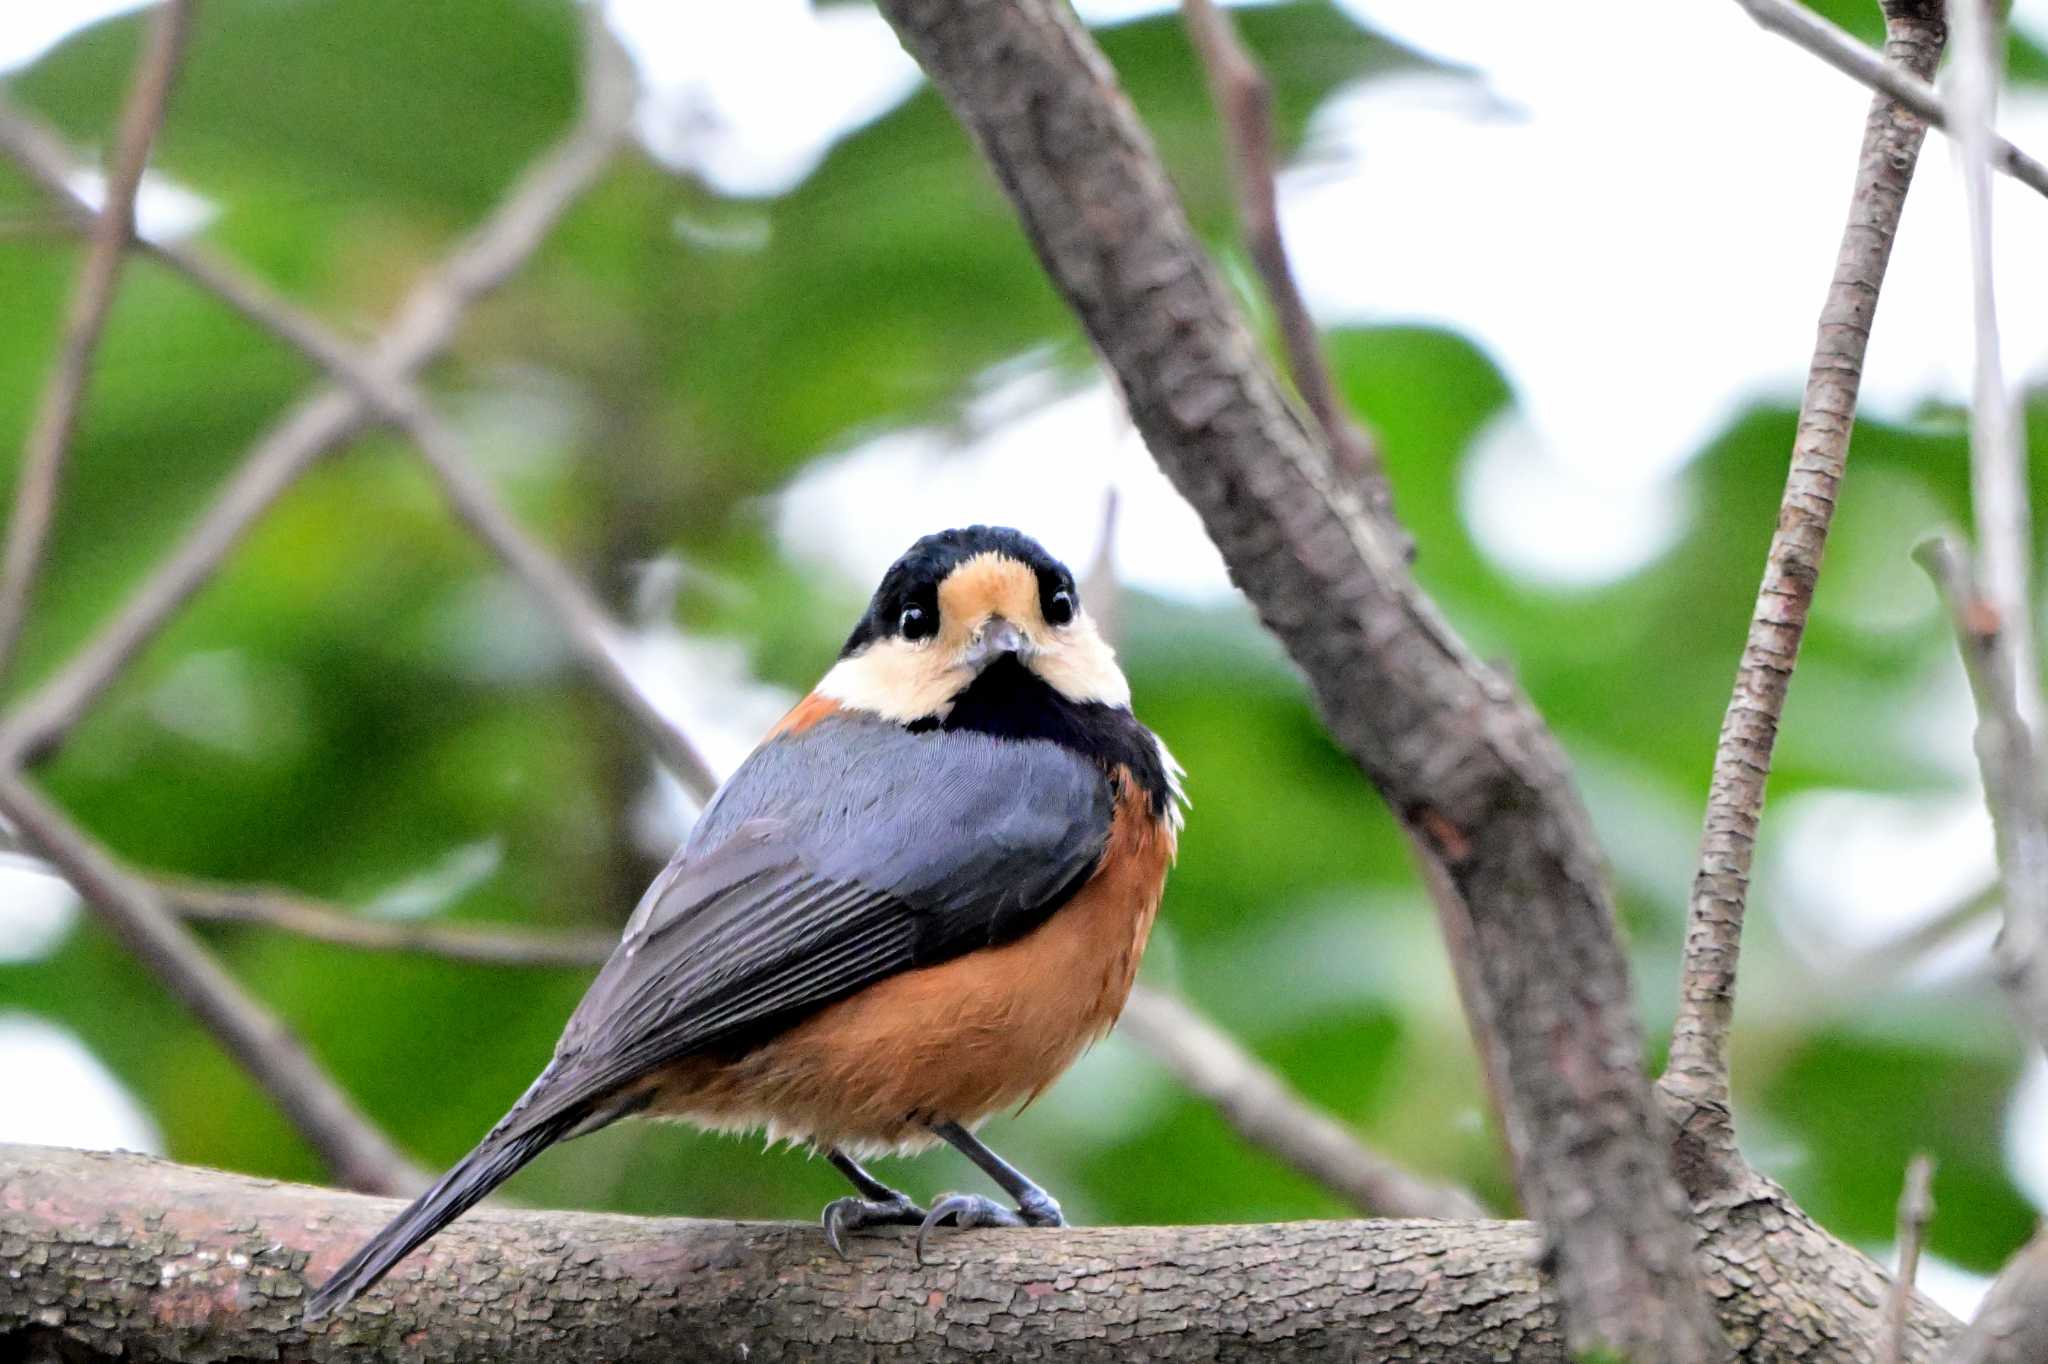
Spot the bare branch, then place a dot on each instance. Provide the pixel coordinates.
(2011, 1327)
(591, 633)
(1827, 41)
(425, 325)
(1456, 751)
(1916, 1210)
(358, 1154)
(42, 460)
(1998, 473)
(582, 619)
(120, 1256)
(1244, 102)
(2011, 768)
(207, 903)
(1271, 1116)
(1696, 1080)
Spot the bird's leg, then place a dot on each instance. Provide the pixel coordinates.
(1035, 1207)
(878, 1204)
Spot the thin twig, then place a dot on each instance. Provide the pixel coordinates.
(207, 903)
(2011, 769)
(425, 325)
(1998, 487)
(1244, 103)
(42, 459)
(1838, 49)
(357, 1154)
(1697, 1075)
(1270, 1115)
(1916, 1210)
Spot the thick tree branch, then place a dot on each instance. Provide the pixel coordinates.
(1244, 103)
(1456, 751)
(355, 1151)
(42, 460)
(1696, 1080)
(105, 1256)
(425, 325)
(1826, 40)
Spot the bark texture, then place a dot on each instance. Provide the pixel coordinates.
(1696, 1080)
(1457, 752)
(121, 1256)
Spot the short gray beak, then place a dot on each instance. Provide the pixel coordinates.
(993, 640)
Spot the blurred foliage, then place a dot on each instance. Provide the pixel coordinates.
(668, 360)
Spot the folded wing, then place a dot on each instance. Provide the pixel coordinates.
(832, 859)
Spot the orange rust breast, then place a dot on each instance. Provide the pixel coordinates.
(802, 716)
(951, 1042)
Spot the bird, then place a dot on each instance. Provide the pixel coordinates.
(920, 898)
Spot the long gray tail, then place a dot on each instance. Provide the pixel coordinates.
(496, 1158)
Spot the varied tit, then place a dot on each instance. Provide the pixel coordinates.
(915, 904)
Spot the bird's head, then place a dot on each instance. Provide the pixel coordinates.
(960, 603)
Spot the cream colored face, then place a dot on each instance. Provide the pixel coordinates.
(905, 680)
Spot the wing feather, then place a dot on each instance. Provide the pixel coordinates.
(833, 858)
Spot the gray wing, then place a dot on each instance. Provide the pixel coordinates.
(832, 859)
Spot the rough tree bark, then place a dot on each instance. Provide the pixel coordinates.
(1456, 751)
(121, 1256)
(1696, 1078)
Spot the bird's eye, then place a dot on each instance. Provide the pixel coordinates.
(1060, 609)
(917, 623)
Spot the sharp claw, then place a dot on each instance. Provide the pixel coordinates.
(966, 1210)
(842, 1215)
(942, 1208)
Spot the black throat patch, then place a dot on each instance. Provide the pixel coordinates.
(1009, 701)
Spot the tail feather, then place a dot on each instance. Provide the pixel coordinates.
(496, 1158)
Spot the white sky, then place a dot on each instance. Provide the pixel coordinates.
(1637, 226)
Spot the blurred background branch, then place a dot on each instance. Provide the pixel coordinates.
(393, 398)
(2009, 757)
(42, 462)
(1244, 108)
(2011, 1328)
(358, 1155)
(426, 323)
